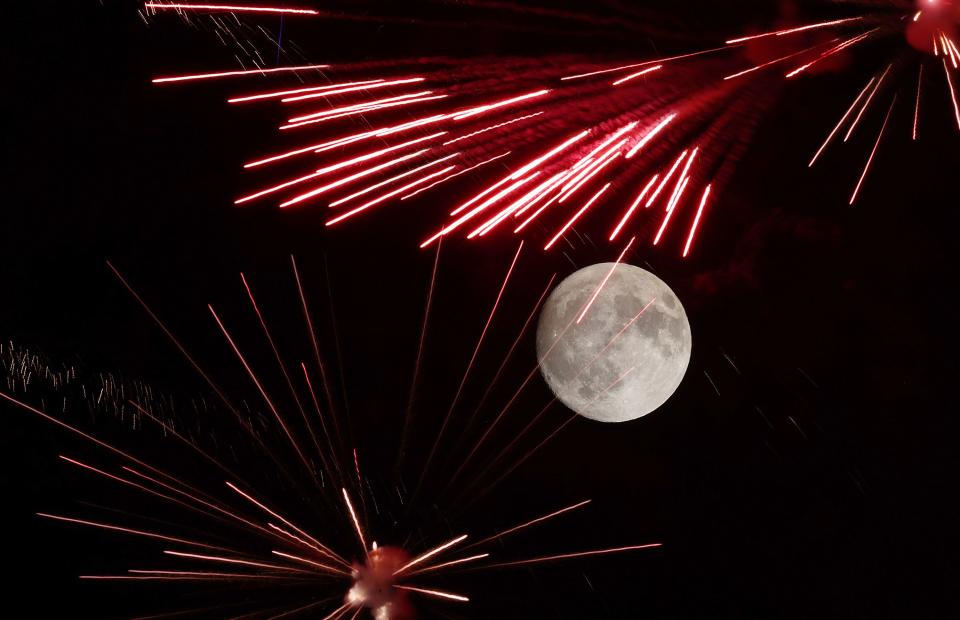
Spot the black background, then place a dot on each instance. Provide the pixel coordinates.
(835, 501)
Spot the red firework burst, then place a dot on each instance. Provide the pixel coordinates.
(557, 141)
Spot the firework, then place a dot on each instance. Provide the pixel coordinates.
(333, 565)
(537, 150)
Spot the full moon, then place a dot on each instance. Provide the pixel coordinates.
(613, 342)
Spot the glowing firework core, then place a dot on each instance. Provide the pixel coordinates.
(374, 585)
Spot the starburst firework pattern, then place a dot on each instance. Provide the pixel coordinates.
(233, 533)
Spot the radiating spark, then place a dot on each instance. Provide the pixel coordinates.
(916, 111)
(435, 593)
(581, 554)
(576, 217)
(603, 282)
(389, 195)
(227, 74)
(229, 8)
(356, 522)
(780, 33)
(633, 76)
(633, 207)
(500, 104)
(420, 559)
(866, 104)
(842, 121)
(350, 89)
(650, 135)
(866, 168)
(492, 128)
(953, 94)
(696, 221)
(309, 89)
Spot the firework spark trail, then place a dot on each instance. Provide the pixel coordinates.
(866, 104)
(286, 377)
(530, 523)
(873, 152)
(581, 554)
(603, 283)
(159, 6)
(229, 74)
(843, 120)
(436, 594)
(696, 220)
(466, 374)
(420, 559)
(953, 94)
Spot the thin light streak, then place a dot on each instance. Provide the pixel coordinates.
(842, 121)
(435, 593)
(603, 282)
(576, 217)
(696, 221)
(633, 207)
(780, 33)
(420, 559)
(633, 76)
(866, 104)
(866, 168)
(581, 554)
(226, 74)
(356, 522)
(228, 7)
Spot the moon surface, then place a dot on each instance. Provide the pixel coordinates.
(628, 353)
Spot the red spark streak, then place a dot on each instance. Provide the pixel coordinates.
(839, 48)
(953, 94)
(842, 121)
(297, 558)
(309, 89)
(769, 63)
(866, 168)
(230, 8)
(208, 76)
(436, 567)
(351, 89)
(522, 526)
(389, 195)
(457, 223)
(916, 111)
(429, 554)
(392, 179)
(435, 593)
(491, 128)
(356, 522)
(334, 167)
(636, 75)
(263, 507)
(351, 178)
(780, 33)
(225, 560)
(576, 217)
(696, 221)
(665, 180)
(603, 283)
(645, 63)
(464, 171)
(581, 554)
(633, 207)
(866, 104)
(126, 530)
(492, 106)
(650, 135)
(671, 208)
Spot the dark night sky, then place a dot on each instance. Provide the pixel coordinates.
(836, 501)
